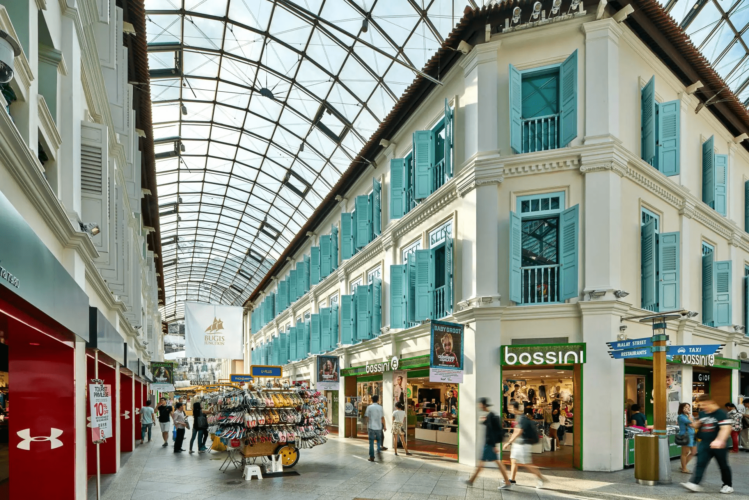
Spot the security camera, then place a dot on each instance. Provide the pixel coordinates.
(91, 228)
(9, 50)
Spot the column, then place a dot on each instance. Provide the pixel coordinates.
(387, 406)
(691, 267)
(601, 80)
(736, 255)
(481, 100)
(478, 233)
(390, 259)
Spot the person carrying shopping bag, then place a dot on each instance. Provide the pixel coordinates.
(200, 428)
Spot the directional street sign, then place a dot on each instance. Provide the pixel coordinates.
(630, 344)
(631, 353)
(698, 350)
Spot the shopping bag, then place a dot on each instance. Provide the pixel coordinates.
(174, 434)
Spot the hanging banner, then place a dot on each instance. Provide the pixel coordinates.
(100, 401)
(163, 376)
(328, 373)
(213, 331)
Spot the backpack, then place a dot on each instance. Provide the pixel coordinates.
(530, 433)
(496, 428)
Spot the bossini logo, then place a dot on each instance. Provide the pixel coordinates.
(384, 366)
(26, 439)
(214, 334)
(561, 357)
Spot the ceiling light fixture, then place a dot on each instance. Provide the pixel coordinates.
(620, 294)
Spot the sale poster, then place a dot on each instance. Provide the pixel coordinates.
(100, 400)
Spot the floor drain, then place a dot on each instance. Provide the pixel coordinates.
(236, 481)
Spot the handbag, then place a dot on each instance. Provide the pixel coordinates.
(201, 422)
(681, 439)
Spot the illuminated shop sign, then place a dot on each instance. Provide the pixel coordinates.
(544, 354)
(385, 366)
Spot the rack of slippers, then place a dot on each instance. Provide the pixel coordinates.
(264, 420)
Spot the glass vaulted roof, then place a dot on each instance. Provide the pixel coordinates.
(720, 30)
(259, 106)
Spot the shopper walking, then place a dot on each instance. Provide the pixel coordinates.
(523, 437)
(199, 427)
(745, 425)
(555, 424)
(735, 417)
(165, 415)
(180, 423)
(686, 421)
(714, 429)
(375, 426)
(492, 437)
(146, 421)
(399, 428)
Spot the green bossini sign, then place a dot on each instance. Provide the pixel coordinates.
(543, 354)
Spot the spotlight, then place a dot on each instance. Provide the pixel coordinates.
(464, 47)
(555, 7)
(91, 228)
(597, 293)
(9, 50)
(364, 25)
(184, 110)
(516, 15)
(536, 10)
(691, 314)
(738, 328)
(619, 294)
(265, 92)
(622, 328)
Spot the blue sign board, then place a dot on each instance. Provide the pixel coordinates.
(697, 350)
(266, 371)
(631, 344)
(632, 353)
(240, 378)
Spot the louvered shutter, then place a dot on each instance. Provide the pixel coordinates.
(333, 247)
(423, 155)
(449, 124)
(568, 100)
(746, 215)
(708, 172)
(354, 231)
(410, 290)
(669, 134)
(648, 249)
(348, 319)
(283, 346)
(516, 111)
(278, 300)
(305, 340)
(95, 182)
(568, 242)
(376, 310)
(300, 288)
(746, 305)
(362, 313)
(397, 302)
(398, 188)
(708, 290)
(424, 284)
(347, 236)
(292, 287)
(722, 284)
(721, 183)
(325, 256)
(647, 123)
(333, 327)
(314, 266)
(668, 271)
(305, 272)
(315, 334)
(283, 291)
(449, 273)
(376, 207)
(325, 329)
(516, 258)
(362, 221)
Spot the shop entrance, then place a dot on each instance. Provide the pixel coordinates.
(548, 395)
(432, 416)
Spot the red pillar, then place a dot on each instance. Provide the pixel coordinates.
(126, 412)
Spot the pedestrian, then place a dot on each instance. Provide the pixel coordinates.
(492, 437)
(713, 430)
(375, 426)
(523, 437)
(555, 424)
(165, 415)
(180, 423)
(637, 419)
(399, 428)
(200, 427)
(146, 421)
(745, 425)
(735, 417)
(686, 422)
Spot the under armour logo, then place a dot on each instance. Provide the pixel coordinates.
(126, 415)
(137, 411)
(25, 435)
(88, 419)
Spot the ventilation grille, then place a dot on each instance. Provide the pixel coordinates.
(91, 169)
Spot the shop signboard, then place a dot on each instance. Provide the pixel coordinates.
(446, 356)
(328, 373)
(542, 354)
(100, 401)
(266, 371)
(240, 378)
(163, 376)
(385, 366)
(213, 331)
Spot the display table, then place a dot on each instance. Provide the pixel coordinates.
(426, 434)
(447, 437)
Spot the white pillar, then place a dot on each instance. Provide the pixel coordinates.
(481, 100)
(478, 233)
(601, 80)
(69, 122)
(690, 279)
(601, 218)
(387, 406)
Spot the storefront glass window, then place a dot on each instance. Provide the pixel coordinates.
(364, 393)
(646, 216)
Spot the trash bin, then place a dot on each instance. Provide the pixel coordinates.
(646, 459)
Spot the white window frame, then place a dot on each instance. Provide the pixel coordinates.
(416, 245)
(355, 283)
(445, 228)
(374, 273)
(333, 299)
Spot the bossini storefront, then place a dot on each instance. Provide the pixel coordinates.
(546, 380)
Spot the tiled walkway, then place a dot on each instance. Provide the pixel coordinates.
(339, 471)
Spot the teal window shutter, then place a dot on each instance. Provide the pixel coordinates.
(746, 217)
(376, 307)
(370, 217)
(306, 271)
(449, 273)
(362, 221)
(424, 284)
(668, 271)
(397, 299)
(722, 285)
(348, 319)
(362, 309)
(278, 302)
(333, 326)
(315, 335)
(449, 117)
(283, 344)
(569, 223)
(568, 100)
(325, 329)
(721, 183)
(292, 286)
(708, 291)
(423, 143)
(516, 258)
(398, 184)
(746, 305)
(347, 234)
(333, 247)
(669, 133)
(305, 340)
(354, 231)
(648, 249)
(325, 256)
(648, 117)
(516, 111)
(314, 266)
(376, 207)
(410, 285)
(708, 172)
(283, 294)
(300, 279)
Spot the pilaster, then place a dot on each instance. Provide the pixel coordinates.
(481, 99)
(601, 80)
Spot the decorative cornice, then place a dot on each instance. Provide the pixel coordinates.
(481, 54)
(603, 28)
(53, 57)
(48, 127)
(437, 201)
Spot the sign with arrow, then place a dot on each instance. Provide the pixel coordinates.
(630, 344)
(694, 350)
(631, 353)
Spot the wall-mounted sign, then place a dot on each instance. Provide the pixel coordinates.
(100, 401)
(266, 371)
(236, 377)
(385, 366)
(213, 331)
(163, 375)
(700, 377)
(542, 354)
(447, 345)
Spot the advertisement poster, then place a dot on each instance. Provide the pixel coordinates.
(213, 331)
(400, 388)
(328, 373)
(101, 411)
(163, 376)
(673, 393)
(446, 357)
(352, 407)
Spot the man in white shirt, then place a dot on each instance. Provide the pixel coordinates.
(375, 426)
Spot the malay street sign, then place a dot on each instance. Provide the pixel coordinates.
(630, 344)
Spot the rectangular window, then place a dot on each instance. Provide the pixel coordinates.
(659, 265)
(438, 235)
(660, 131)
(334, 300)
(407, 252)
(646, 216)
(355, 284)
(374, 273)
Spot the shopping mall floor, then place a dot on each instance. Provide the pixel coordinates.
(339, 470)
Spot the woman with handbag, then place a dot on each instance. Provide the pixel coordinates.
(200, 428)
(685, 438)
